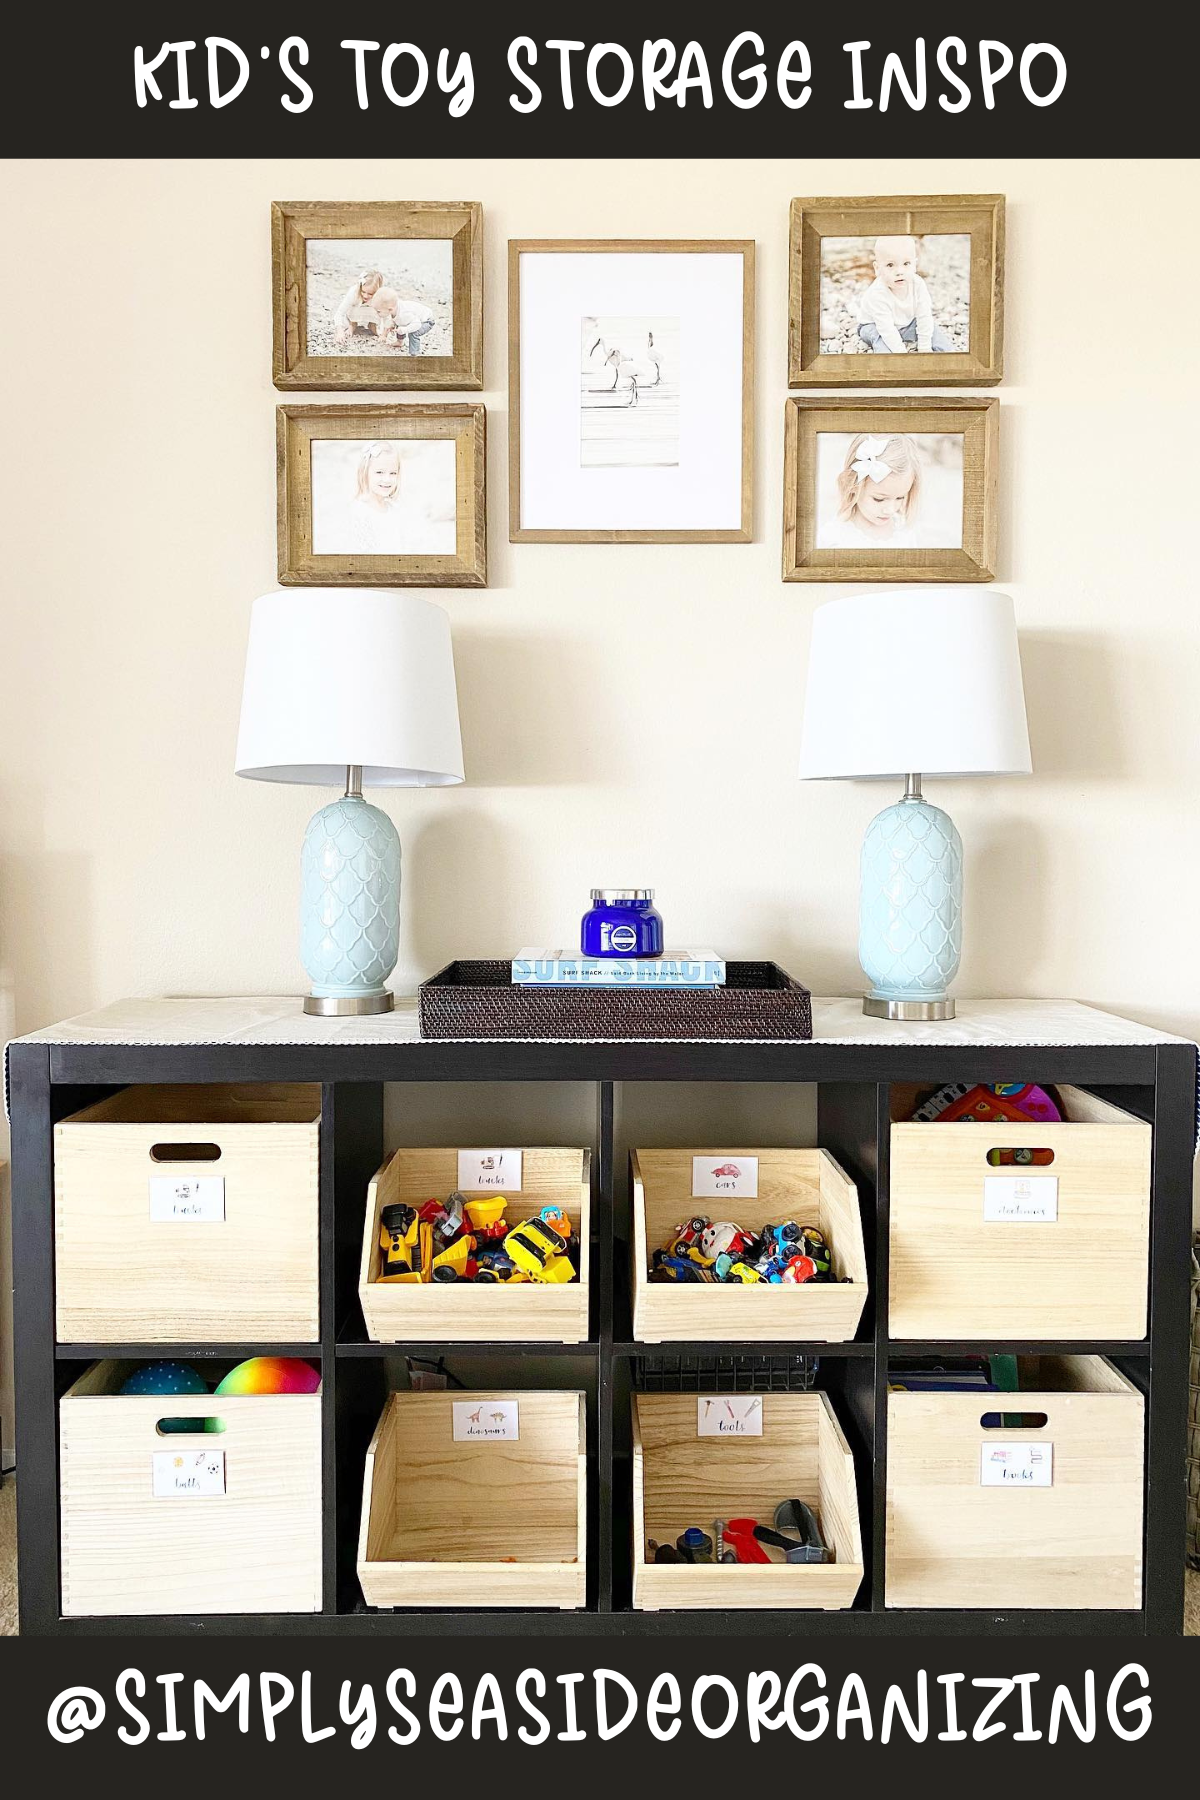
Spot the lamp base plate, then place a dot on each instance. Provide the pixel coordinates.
(912, 1010)
(349, 1006)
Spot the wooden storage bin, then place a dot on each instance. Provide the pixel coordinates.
(503, 1523)
(468, 1311)
(682, 1479)
(956, 1274)
(805, 1185)
(122, 1277)
(256, 1548)
(1076, 1543)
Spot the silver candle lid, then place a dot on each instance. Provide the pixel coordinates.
(622, 893)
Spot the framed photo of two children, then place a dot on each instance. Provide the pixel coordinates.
(377, 294)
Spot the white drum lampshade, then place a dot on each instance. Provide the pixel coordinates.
(350, 686)
(911, 682)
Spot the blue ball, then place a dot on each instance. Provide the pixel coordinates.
(165, 1378)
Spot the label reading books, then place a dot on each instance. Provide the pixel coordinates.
(1020, 1199)
(475, 1419)
(481, 1171)
(729, 1415)
(188, 1474)
(198, 1199)
(721, 1177)
(1016, 1465)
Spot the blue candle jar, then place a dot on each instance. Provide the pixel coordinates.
(622, 922)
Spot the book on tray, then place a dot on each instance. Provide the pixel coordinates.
(566, 968)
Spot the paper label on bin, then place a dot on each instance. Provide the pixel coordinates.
(1016, 1465)
(729, 1415)
(721, 1177)
(478, 1419)
(188, 1474)
(487, 1171)
(1020, 1199)
(194, 1199)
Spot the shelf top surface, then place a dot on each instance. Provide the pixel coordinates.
(249, 1021)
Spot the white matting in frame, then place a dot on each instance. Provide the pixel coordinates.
(631, 387)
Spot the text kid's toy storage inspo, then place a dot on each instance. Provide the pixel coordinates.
(1026, 1499)
(983, 1247)
(476, 1499)
(225, 1518)
(753, 1188)
(477, 1311)
(188, 1214)
(685, 1474)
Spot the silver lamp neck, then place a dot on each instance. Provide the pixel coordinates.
(912, 788)
(354, 782)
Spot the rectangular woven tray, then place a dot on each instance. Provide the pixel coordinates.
(478, 1000)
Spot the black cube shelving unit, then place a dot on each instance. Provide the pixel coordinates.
(49, 1081)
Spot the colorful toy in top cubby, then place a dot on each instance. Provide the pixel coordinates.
(719, 1250)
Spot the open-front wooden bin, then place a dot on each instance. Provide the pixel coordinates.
(145, 1532)
(189, 1215)
(1055, 1521)
(987, 1251)
(477, 1311)
(681, 1478)
(458, 1511)
(804, 1185)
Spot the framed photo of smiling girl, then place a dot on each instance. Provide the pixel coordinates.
(890, 490)
(381, 496)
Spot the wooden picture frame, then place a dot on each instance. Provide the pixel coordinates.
(296, 224)
(977, 216)
(805, 514)
(299, 427)
(737, 483)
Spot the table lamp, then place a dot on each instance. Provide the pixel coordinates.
(910, 682)
(349, 686)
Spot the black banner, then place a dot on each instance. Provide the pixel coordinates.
(279, 80)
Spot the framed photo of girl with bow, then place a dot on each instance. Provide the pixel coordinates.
(890, 490)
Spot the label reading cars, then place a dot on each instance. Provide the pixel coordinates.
(1020, 1199)
(478, 1419)
(485, 1171)
(188, 1474)
(194, 1199)
(1016, 1465)
(729, 1415)
(718, 1177)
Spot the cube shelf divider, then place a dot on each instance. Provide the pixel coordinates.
(48, 1082)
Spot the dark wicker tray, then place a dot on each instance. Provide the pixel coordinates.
(479, 1000)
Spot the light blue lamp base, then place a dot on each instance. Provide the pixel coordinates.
(350, 906)
(910, 922)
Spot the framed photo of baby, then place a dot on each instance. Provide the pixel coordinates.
(890, 490)
(377, 294)
(905, 292)
(381, 496)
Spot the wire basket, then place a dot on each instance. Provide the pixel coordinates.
(1193, 1456)
(781, 1373)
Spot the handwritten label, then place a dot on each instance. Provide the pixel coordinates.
(188, 1474)
(484, 1171)
(1016, 1465)
(475, 1420)
(197, 1199)
(715, 1177)
(1020, 1199)
(729, 1415)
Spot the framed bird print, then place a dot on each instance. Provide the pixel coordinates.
(631, 376)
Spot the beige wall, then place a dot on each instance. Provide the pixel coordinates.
(629, 714)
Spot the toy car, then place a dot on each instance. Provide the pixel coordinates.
(722, 1238)
(539, 1251)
